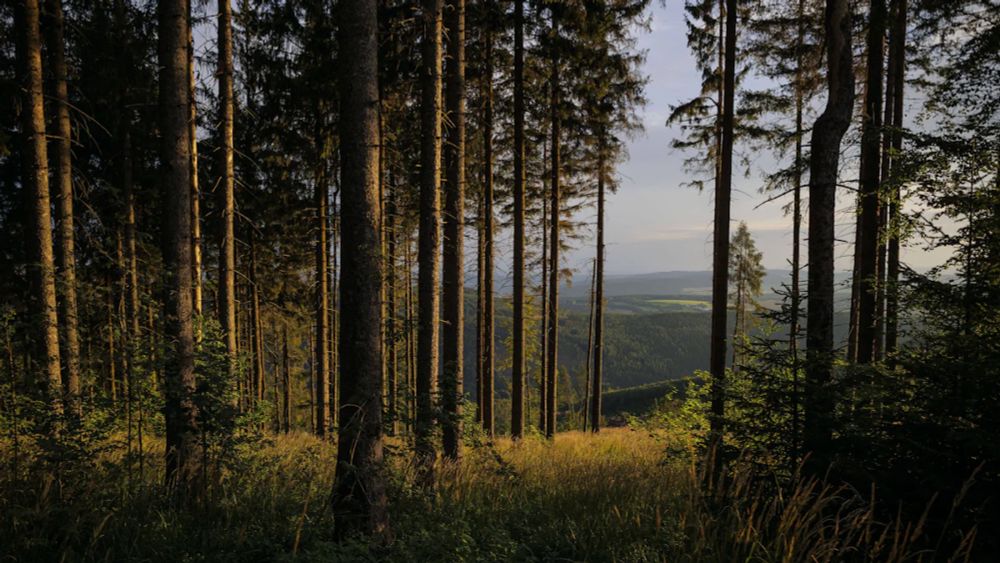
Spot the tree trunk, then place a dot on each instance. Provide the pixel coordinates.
(867, 237)
(517, 292)
(66, 259)
(552, 367)
(313, 386)
(256, 323)
(286, 376)
(878, 348)
(36, 177)
(543, 333)
(429, 257)
(183, 455)
(597, 371)
(334, 320)
(827, 134)
(487, 225)
(275, 385)
(794, 291)
(322, 304)
(131, 279)
(720, 243)
(227, 252)
(359, 499)
(897, 53)
(480, 251)
(112, 361)
(453, 281)
(588, 372)
(391, 290)
(411, 345)
(195, 190)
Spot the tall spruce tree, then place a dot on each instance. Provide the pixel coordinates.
(183, 447)
(824, 158)
(359, 499)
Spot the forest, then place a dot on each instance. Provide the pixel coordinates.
(327, 280)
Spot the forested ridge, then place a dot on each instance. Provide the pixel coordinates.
(301, 279)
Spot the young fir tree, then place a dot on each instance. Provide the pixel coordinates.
(746, 275)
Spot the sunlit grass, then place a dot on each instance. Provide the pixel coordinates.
(616, 496)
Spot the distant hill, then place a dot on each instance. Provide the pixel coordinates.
(692, 285)
(656, 331)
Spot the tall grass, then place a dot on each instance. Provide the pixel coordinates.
(617, 496)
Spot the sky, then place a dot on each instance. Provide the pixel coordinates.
(654, 222)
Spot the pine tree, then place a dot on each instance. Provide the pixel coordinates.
(429, 254)
(552, 325)
(868, 198)
(36, 175)
(517, 292)
(63, 171)
(359, 499)
(720, 250)
(486, 365)
(183, 450)
(227, 250)
(453, 282)
(824, 158)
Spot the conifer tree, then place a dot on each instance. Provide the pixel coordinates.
(359, 499)
(63, 172)
(36, 175)
(824, 158)
(429, 253)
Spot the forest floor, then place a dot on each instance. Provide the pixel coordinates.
(623, 495)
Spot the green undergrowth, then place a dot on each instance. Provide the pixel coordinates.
(618, 496)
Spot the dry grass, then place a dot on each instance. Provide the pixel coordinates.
(611, 497)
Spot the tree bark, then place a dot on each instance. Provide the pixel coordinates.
(453, 281)
(359, 499)
(334, 321)
(256, 323)
(183, 455)
(795, 296)
(827, 134)
(195, 189)
(480, 252)
(391, 291)
(888, 108)
(720, 243)
(552, 367)
(286, 376)
(486, 381)
(897, 53)
(132, 303)
(322, 303)
(588, 371)
(428, 252)
(597, 371)
(66, 258)
(411, 344)
(227, 253)
(543, 322)
(517, 291)
(867, 237)
(36, 177)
